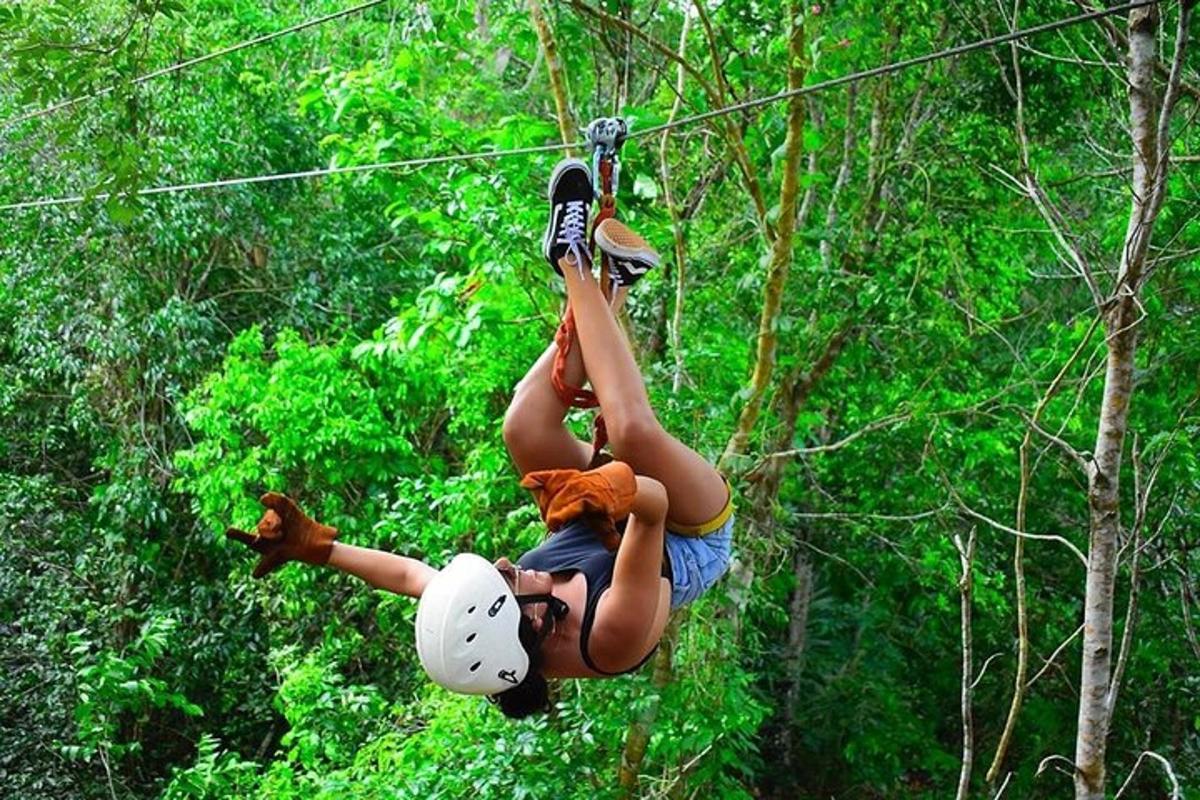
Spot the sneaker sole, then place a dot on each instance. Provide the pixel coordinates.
(615, 250)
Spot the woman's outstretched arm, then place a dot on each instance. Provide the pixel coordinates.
(388, 571)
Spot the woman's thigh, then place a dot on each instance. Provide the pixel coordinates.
(547, 447)
(696, 492)
(534, 432)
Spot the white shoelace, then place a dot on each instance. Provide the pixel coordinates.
(573, 232)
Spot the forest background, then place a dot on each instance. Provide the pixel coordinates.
(938, 326)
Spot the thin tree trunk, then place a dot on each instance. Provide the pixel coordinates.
(1022, 671)
(676, 220)
(966, 555)
(558, 82)
(638, 735)
(781, 249)
(849, 144)
(1149, 131)
(482, 29)
(687, 210)
(797, 643)
(877, 166)
(622, 94)
(1120, 42)
(1020, 683)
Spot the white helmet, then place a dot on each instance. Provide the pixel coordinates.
(467, 621)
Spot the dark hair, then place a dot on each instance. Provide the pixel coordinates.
(532, 695)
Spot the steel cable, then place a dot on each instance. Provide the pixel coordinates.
(495, 154)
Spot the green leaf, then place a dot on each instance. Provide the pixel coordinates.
(121, 211)
(645, 187)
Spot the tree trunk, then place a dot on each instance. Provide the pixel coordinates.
(797, 642)
(849, 144)
(638, 736)
(676, 332)
(966, 556)
(558, 81)
(482, 29)
(1147, 128)
(781, 248)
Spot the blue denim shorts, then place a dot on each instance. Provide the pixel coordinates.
(697, 562)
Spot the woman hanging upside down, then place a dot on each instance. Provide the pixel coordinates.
(590, 601)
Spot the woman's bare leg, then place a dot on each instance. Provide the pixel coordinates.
(533, 425)
(695, 490)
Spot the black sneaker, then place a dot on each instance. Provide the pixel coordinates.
(629, 257)
(571, 197)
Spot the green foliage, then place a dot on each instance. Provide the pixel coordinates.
(308, 417)
(115, 688)
(216, 774)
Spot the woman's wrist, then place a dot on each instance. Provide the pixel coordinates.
(336, 555)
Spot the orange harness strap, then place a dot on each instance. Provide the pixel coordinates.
(572, 396)
(566, 335)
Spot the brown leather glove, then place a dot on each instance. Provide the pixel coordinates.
(285, 533)
(603, 495)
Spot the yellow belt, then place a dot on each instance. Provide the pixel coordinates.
(705, 528)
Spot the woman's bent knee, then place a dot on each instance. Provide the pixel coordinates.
(515, 423)
(629, 432)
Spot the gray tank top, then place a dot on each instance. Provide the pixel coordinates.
(576, 548)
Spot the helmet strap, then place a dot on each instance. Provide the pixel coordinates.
(558, 610)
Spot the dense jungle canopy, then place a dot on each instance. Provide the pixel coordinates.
(938, 326)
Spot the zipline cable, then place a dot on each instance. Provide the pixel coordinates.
(291, 176)
(191, 62)
(494, 154)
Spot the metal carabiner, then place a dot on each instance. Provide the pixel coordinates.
(605, 136)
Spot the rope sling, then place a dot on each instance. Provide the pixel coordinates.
(605, 137)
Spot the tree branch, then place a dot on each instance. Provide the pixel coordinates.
(1020, 685)
(1176, 791)
(849, 145)
(1000, 526)
(829, 448)
(567, 126)
(676, 220)
(1057, 651)
(1079, 457)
